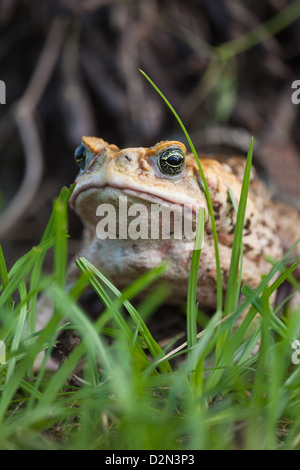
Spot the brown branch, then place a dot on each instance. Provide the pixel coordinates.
(24, 116)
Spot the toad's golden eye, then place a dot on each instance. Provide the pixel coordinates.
(171, 161)
(80, 156)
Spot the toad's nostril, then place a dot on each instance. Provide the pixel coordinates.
(124, 159)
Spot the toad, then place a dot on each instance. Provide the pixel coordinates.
(166, 175)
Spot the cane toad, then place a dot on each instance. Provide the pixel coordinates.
(166, 174)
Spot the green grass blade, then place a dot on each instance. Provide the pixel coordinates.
(20, 274)
(63, 198)
(207, 195)
(51, 229)
(3, 270)
(19, 331)
(60, 247)
(192, 286)
(233, 276)
(4, 278)
(139, 285)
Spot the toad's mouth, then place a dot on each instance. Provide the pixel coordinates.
(157, 197)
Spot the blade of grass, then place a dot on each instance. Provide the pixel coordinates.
(232, 342)
(207, 195)
(63, 197)
(3, 270)
(238, 286)
(19, 331)
(49, 232)
(192, 286)
(292, 280)
(15, 379)
(257, 306)
(88, 269)
(60, 247)
(233, 276)
(4, 278)
(58, 226)
(24, 266)
(258, 397)
(135, 288)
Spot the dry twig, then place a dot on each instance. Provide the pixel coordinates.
(23, 113)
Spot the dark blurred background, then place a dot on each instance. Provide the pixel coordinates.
(71, 69)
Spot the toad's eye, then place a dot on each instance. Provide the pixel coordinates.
(80, 156)
(171, 161)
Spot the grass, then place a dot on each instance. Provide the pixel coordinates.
(131, 395)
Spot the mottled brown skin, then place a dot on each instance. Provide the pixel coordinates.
(269, 228)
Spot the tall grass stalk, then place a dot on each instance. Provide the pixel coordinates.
(207, 195)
